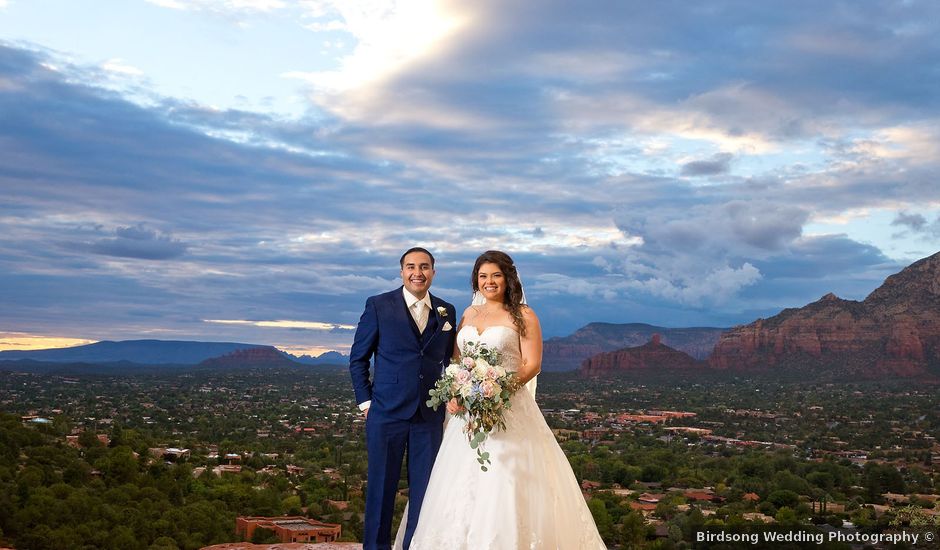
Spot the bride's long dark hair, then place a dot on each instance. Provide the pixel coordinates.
(512, 300)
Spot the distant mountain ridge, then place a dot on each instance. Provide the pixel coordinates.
(568, 352)
(156, 352)
(893, 333)
(326, 358)
(147, 352)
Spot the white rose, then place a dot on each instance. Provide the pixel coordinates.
(479, 370)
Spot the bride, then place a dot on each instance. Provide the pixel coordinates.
(529, 497)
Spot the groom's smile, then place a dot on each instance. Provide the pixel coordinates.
(417, 272)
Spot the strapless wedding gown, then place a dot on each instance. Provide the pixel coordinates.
(529, 498)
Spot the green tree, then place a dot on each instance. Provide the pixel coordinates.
(89, 439)
(163, 543)
(881, 478)
(601, 515)
(291, 505)
(122, 538)
(633, 530)
(823, 480)
(913, 516)
(783, 497)
(787, 516)
(262, 535)
(121, 465)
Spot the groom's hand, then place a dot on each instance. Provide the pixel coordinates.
(364, 407)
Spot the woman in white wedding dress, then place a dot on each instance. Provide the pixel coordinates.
(529, 497)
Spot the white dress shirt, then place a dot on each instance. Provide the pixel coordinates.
(421, 318)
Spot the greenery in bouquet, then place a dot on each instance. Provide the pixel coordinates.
(482, 388)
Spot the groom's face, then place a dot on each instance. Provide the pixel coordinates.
(417, 273)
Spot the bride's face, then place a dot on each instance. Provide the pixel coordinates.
(491, 282)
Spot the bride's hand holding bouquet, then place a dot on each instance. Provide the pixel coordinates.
(477, 388)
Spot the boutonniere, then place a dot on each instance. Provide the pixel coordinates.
(442, 311)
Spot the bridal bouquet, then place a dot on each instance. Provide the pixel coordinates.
(483, 388)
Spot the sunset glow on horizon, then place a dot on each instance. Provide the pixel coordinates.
(18, 341)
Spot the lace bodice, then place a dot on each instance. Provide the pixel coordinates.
(499, 337)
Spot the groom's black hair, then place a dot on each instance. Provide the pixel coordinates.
(401, 262)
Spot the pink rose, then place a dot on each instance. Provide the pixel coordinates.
(468, 362)
(488, 388)
(462, 377)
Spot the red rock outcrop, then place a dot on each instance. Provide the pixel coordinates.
(262, 356)
(568, 352)
(652, 355)
(894, 332)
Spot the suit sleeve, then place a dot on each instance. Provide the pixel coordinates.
(363, 348)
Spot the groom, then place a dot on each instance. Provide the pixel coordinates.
(409, 336)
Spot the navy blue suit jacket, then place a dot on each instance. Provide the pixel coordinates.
(406, 364)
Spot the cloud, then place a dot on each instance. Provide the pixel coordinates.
(745, 227)
(118, 66)
(332, 25)
(621, 79)
(387, 36)
(717, 164)
(715, 287)
(305, 325)
(828, 258)
(138, 242)
(912, 221)
(595, 143)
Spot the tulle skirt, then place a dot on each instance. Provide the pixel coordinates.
(529, 497)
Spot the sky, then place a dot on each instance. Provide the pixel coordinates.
(251, 170)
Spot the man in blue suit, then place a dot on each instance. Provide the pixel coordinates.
(409, 336)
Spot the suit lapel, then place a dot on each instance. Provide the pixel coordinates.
(435, 324)
(431, 327)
